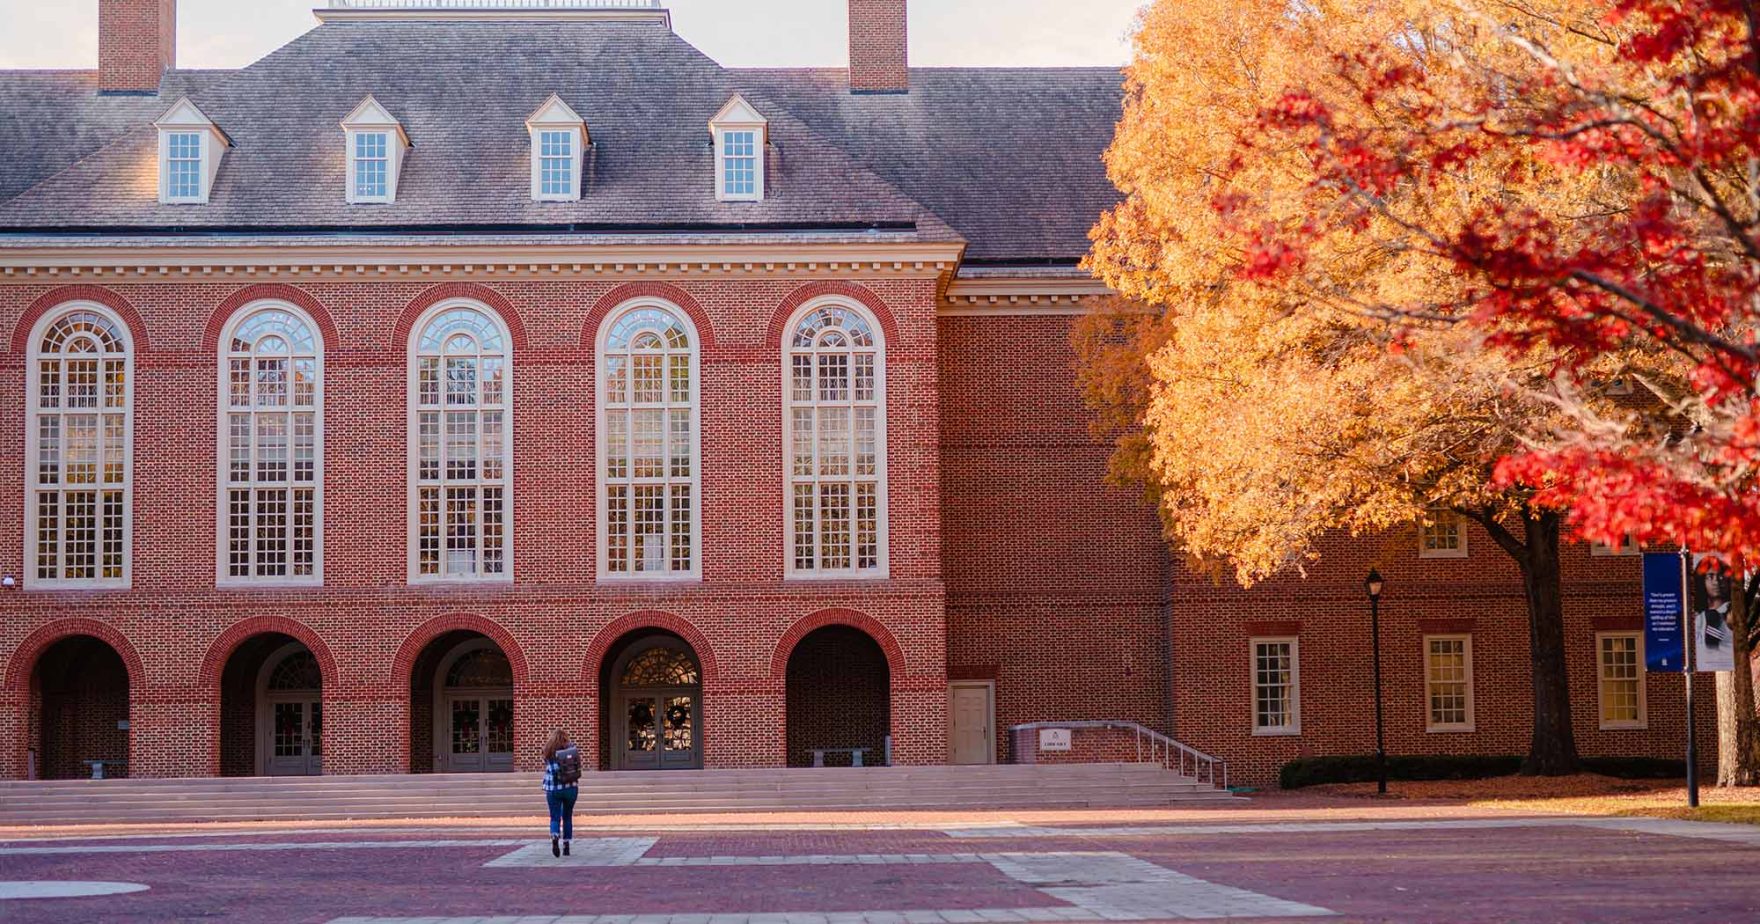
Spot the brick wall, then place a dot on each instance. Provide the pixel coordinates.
(81, 692)
(137, 43)
(837, 697)
(878, 46)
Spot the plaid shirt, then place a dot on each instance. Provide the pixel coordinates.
(551, 769)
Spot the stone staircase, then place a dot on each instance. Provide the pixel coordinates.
(1053, 786)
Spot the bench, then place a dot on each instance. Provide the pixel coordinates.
(855, 755)
(99, 765)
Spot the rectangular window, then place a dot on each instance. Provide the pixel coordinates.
(372, 166)
(1442, 534)
(1620, 666)
(269, 421)
(556, 169)
(739, 164)
(1448, 682)
(183, 166)
(1276, 686)
(1626, 548)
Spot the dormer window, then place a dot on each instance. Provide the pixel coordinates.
(190, 149)
(559, 143)
(376, 149)
(741, 137)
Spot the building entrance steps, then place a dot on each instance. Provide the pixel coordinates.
(623, 793)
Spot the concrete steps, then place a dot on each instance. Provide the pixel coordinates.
(520, 795)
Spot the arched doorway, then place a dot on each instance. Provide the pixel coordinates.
(839, 698)
(271, 709)
(461, 706)
(653, 696)
(79, 691)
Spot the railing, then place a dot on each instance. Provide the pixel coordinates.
(495, 4)
(1152, 747)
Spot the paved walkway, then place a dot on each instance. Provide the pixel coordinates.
(1461, 869)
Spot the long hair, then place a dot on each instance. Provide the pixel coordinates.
(558, 741)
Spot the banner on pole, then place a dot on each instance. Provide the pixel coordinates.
(1665, 647)
(1714, 644)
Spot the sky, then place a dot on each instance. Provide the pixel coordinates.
(737, 33)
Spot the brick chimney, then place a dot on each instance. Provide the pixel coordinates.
(137, 44)
(878, 49)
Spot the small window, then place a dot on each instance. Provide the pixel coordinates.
(1442, 534)
(183, 166)
(1276, 686)
(557, 164)
(372, 166)
(739, 164)
(1448, 682)
(1626, 548)
(191, 147)
(740, 135)
(1620, 664)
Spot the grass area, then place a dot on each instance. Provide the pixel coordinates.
(1581, 794)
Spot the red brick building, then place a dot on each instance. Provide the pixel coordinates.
(452, 375)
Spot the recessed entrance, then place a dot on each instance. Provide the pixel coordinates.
(271, 709)
(839, 699)
(78, 712)
(461, 706)
(653, 704)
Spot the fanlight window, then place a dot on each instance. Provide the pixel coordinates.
(462, 425)
(484, 667)
(662, 667)
(836, 434)
(80, 438)
(297, 671)
(650, 446)
(272, 439)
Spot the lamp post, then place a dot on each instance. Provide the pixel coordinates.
(1373, 584)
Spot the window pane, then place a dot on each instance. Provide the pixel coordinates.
(649, 444)
(462, 374)
(835, 442)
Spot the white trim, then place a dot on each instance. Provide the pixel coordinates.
(443, 706)
(740, 116)
(412, 448)
(371, 117)
(1294, 728)
(33, 412)
(1430, 723)
(185, 118)
(222, 452)
(1601, 679)
(266, 707)
(989, 718)
(601, 490)
(556, 115)
(660, 17)
(1626, 549)
(1424, 528)
(883, 569)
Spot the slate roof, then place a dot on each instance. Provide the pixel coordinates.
(1005, 160)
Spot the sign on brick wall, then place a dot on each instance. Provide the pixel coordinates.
(1054, 739)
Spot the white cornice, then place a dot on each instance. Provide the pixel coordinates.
(662, 17)
(1026, 295)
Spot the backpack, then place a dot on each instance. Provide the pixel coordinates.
(568, 766)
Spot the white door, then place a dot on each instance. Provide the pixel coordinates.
(479, 732)
(972, 715)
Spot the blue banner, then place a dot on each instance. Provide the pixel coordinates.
(1664, 603)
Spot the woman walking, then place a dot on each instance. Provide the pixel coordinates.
(562, 777)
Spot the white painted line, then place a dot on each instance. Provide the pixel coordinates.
(10, 891)
(251, 848)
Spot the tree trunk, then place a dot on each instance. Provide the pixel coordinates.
(1738, 726)
(1553, 749)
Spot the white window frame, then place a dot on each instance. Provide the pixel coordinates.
(1430, 723)
(413, 449)
(1626, 549)
(171, 195)
(1425, 527)
(725, 157)
(883, 569)
(34, 412)
(222, 456)
(370, 117)
(572, 160)
(1601, 681)
(740, 116)
(602, 494)
(1294, 728)
(355, 137)
(557, 116)
(185, 118)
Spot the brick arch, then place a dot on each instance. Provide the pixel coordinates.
(807, 625)
(55, 298)
(447, 291)
(440, 625)
(24, 657)
(812, 290)
(214, 662)
(631, 291)
(265, 292)
(649, 619)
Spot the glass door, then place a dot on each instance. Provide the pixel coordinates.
(296, 737)
(480, 735)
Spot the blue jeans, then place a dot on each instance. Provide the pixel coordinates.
(562, 811)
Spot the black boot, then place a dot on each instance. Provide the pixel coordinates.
(565, 845)
(555, 851)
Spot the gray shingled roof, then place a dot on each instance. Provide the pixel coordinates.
(1009, 158)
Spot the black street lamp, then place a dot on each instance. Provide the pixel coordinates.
(1373, 584)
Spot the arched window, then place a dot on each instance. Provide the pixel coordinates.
(81, 450)
(461, 431)
(834, 426)
(648, 445)
(271, 438)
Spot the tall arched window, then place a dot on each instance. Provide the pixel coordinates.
(461, 438)
(81, 443)
(834, 425)
(649, 470)
(272, 441)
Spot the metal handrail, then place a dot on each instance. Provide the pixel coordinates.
(495, 4)
(1152, 748)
